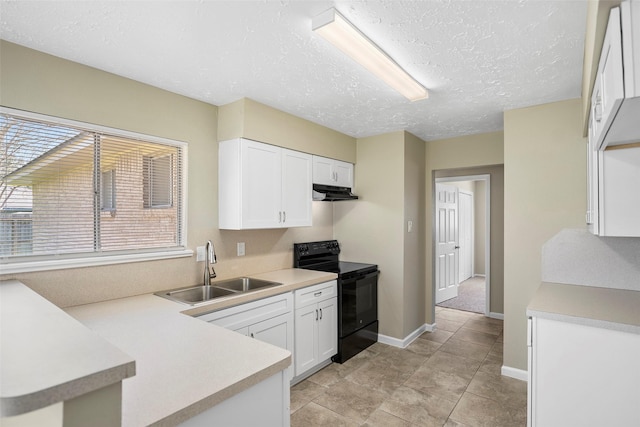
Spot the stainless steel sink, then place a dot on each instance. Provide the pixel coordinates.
(195, 295)
(200, 294)
(244, 284)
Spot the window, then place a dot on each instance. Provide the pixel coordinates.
(158, 181)
(108, 194)
(60, 181)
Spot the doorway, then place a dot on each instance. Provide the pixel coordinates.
(461, 243)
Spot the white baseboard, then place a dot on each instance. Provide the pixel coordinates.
(518, 374)
(403, 343)
(496, 315)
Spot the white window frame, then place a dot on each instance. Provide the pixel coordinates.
(98, 259)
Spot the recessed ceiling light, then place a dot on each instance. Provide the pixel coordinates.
(346, 37)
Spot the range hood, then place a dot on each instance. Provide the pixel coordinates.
(330, 193)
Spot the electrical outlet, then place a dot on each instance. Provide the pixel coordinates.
(409, 226)
(201, 253)
(240, 248)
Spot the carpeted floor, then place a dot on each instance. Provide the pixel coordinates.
(471, 296)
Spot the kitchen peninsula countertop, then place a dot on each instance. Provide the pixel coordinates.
(185, 365)
(47, 356)
(615, 309)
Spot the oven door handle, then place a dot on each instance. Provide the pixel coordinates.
(366, 276)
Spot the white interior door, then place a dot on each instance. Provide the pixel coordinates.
(446, 262)
(465, 215)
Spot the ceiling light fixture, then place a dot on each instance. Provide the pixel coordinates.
(346, 37)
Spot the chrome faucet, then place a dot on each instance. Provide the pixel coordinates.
(209, 272)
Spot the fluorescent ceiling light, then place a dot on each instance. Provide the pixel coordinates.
(342, 34)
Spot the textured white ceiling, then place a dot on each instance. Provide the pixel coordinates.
(477, 58)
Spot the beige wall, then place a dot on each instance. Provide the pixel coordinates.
(389, 181)
(370, 229)
(545, 191)
(414, 243)
(250, 119)
(468, 155)
(41, 83)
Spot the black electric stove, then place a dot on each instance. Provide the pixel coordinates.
(357, 294)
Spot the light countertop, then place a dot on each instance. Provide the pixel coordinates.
(182, 365)
(186, 365)
(47, 356)
(615, 309)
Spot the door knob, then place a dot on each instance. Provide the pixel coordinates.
(457, 247)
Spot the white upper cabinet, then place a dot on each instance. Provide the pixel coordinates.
(613, 202)
(262, 186)
(615, 100)
(619, 198)
(613, 156)
(332, 172)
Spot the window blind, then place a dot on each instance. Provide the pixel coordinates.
(73, 191)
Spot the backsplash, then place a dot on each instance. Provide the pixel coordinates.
(577, 257)
(266, 250)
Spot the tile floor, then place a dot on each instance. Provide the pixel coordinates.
(450, 377)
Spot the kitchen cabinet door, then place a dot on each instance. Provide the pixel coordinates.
(323, 171)
(615, 100)
(261, 185)
(619, 201)
(343, 174)
(296, 189)
(306, 340)
(609, 89)
(327, 329)
(277, 331)
(582, 375)
(593, 206)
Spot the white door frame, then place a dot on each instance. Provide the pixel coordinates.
(472, 231)
(487, 260)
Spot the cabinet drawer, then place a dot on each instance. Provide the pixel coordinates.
(316, 293)
(247, 314)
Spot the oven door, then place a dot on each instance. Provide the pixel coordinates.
(359, 305)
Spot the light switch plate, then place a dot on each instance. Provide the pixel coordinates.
(201, 252)
(240, 248)
(409, 226)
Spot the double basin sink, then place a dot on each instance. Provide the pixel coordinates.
(199, 294)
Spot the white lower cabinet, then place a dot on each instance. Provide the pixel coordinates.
(582, 375)
(305, 322)
(316, 327)
(269, 320)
